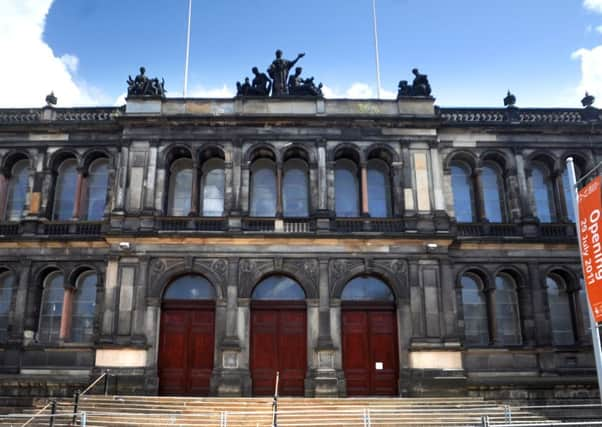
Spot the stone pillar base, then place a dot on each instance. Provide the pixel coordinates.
(231, 382)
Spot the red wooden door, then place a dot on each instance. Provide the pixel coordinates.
(370, 357)
(186, 348)
(278, 343)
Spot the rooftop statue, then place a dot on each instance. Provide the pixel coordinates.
(420, 86)
(279, 70)
(260, 86)
(143, 86)
(509, 100)
(303, 87)
(51, 99)
(588, 100)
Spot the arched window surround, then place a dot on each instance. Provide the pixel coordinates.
(14, 188)
(569, 290)
(544, 190)
(487, 288)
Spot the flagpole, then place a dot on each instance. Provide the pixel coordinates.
(376, 49)
(593, 325)
(187, 49)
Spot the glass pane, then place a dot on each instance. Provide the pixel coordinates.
(180, 187)
(64, 199)
(263, 188)
(476, 329)
(367, 288)
(213, 187)
(462, 190)
(6, 296)
(379, 189)
(506, 311)
(189, 287)
(346, 191)
(560, 313)
(568, 195)
(278, 288)
(492, 194)
(294, 189)
(52, 307)
(96, 194)
(84, 309)
(17, 191)
(542, 192)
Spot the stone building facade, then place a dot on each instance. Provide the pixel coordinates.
(357, 246)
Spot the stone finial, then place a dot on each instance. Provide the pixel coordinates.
(51, 99)
(588, 100)
(509, 100)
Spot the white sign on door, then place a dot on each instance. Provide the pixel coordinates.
(379, 366)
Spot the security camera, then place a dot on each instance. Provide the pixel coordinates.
(125, 246)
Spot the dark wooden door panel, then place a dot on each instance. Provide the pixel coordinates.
(278, 343)
(186, 351)
(369, 344)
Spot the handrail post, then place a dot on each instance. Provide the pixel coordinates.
(507, 414)
(75, 405)
(485, 421)
(275, 402)
(52, 412)
(83, 419)
(106, 387)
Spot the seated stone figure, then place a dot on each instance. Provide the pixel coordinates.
(303, 87)
(260, 86)
(420, 86)
(143, 86)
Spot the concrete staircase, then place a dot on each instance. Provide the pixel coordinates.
(189, 411)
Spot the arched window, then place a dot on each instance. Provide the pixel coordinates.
(189, 287)
(65, 191)
(543, 193)
(6, 297)
(51, 308)
(476, 329)
(180, 187)
(346, 189)
(84, 308)
(95, 196)
(213, 187)
(278, 287)
(367, 288)
(379, 189)
(493, 191)
(294, 189)
(463, 193)
(17, 191)
(560, 311)
(506, 311)
(263, 188)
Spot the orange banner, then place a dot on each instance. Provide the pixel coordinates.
(590, 228)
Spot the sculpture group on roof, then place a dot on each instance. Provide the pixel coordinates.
(420, 86)
(279, 83)
(143, 86)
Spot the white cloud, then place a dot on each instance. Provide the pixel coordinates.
(200, 91)
(30, 69)
(591, 71)
(593, 5)
(359, 90)
(120, 100)
(599, 29)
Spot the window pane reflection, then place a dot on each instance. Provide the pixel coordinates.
(506, 311)
(263, 188)
(189, 287)
(17, 191)
(96, 195)
(476, 329)
(278, 288)
(6, 296)
(492, 194)
(367, 288)
(64, 198)
(379, 189)
(542, 192)
(180, 187)
(84, 309)
(213, 187)
(560, 312)
(463, 194)
(52, 307)
(294, 189)
(346, 189)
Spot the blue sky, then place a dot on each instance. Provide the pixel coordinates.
(547, 52)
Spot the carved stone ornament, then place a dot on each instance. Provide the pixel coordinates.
(143, 86)
(157, 267)
(305, 267)
(340, 268)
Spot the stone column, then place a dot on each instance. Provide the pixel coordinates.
(559, 199)
(398, 196)
(237, 177)
(244, 191)
(194, 197)
(107, 327)
(416, 300)
(525, 304)
(525, 192)
(228, 188)
(121, 180)
(437, 178)
(540, 306)
(479, 195)
(514, 195)
(151, 331)
(450, 308)
(18, 313)
(3, 195)
(322, 176)
(79, 188)
(151, 172)
(141, 283)
(365, 208)
(279, 207)
(66, 315)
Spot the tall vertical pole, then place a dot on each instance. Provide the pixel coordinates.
(593, 325)
(376, 49)
(187, 49)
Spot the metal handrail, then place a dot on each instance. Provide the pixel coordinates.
(36, 414)
(96, 381)
(275, 402)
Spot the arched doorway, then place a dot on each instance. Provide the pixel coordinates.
(369, 329)
(187, 337)
(278, 336)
